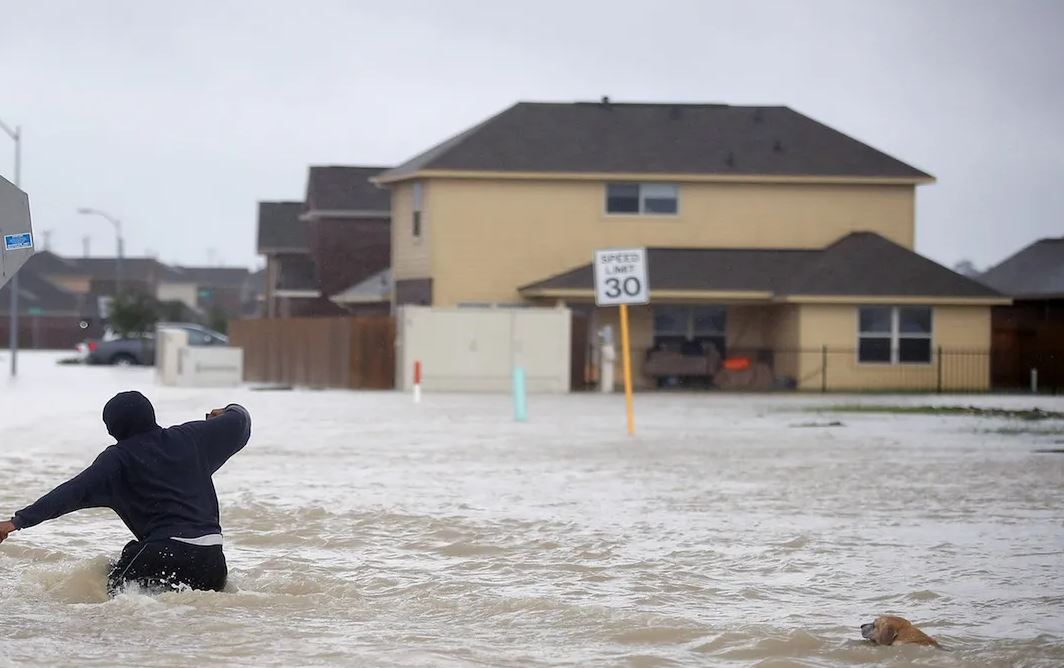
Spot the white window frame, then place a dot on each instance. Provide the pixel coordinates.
(896, 335)
(642, 199)
(689, 327)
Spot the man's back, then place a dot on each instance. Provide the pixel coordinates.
(157, 480)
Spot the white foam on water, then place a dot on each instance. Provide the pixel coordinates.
(361, 530)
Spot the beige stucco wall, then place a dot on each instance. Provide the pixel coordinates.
(489, 237)
(963, 333)
(410, 256)
(75, 284)
(177, 292)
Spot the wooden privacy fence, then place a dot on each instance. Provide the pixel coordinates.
(356, 352)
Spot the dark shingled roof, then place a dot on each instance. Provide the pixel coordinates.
(1035, 271)
(280, 228)
(138, 269)
(860, 264)
(338, 188)
(657, 138)
(35, 292)
(217, 277)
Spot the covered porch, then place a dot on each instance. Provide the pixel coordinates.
(861, 314)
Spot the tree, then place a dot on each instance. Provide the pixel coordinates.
(133, 314)
(217, 320)
(967, 268)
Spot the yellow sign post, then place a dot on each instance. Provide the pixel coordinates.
(626, 352)
(621, 279)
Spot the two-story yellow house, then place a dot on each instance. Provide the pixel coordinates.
(781, 250)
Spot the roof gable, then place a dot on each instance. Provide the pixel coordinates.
(860, 264)
(342, 188)
(280, 228)
(1037, 270)
(696, 139)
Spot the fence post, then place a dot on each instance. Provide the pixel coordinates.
(940, 369)
(823, 369)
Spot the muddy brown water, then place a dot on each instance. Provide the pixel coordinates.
(364, 531)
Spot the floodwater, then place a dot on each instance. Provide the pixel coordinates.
(362, 530)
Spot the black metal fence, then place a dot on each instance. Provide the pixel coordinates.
(835, 369)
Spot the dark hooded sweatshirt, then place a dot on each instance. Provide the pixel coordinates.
(157, 480)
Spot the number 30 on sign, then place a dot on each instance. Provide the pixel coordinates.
(621, 276)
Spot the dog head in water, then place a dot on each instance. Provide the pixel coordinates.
(889, 630)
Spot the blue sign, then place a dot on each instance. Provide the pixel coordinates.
(17, 241)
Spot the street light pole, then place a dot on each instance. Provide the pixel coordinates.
(16, 136)
(118, 242)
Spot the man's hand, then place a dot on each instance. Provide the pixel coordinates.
(215, 413)
(6, 529)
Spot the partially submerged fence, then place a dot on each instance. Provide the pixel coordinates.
(830, 369)
(353, 352)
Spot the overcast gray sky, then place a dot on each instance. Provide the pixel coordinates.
(179, 117)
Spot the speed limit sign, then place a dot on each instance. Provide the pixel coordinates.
(621, 276)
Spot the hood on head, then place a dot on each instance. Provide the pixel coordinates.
(128, 414)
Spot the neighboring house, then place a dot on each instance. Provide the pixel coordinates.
(291, 286)
(208, 290)
(49, 316)
(348, 231)
(1029, 334)
(69, 297)
(751, 213)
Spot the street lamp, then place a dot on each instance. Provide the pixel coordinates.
(16, 136)
(118, 239)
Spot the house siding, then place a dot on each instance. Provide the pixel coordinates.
(520, 231)
(410, 256)
(962, 332)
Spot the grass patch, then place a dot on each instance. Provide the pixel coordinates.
(1026, 431)
(968, 411)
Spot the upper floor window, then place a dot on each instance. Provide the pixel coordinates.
(417, 195)
(894, 334)
(642, 198)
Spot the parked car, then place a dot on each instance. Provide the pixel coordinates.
(140, 350)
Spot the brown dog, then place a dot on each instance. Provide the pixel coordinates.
(888, 630)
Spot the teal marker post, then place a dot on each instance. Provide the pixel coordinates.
(520, 401)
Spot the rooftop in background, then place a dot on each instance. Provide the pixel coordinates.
(348, 189)
(280, 230)
(219, 277)
(1035, 271)
(143, 269)
(695, 139)
(859, 264)
(37, 294)
(146, 269)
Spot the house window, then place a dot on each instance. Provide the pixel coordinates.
(416, 221)
(689, 329)
(894, 335)
(642, 198)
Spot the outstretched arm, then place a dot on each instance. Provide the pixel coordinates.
(225, 433)
(89, 489)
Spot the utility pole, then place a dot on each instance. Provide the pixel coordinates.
(16, 136)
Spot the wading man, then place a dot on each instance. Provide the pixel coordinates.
(159, 483)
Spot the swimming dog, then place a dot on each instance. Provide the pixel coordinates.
(889, 630)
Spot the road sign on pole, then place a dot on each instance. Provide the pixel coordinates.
(621, 279)
(16, 237)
